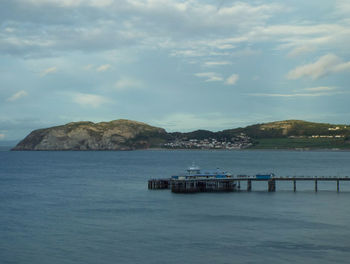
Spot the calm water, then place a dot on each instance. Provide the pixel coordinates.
(94, 207)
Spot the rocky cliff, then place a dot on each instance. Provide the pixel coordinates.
(115, 135)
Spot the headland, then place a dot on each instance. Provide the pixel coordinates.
(125, 134)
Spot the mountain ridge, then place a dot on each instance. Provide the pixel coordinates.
(123, 134)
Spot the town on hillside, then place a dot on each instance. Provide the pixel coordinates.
(240, 141)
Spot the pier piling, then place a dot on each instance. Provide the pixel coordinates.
(337, 185)
(315, 185)
(271, 185)
(249, 185)
(159, 184)
(203, 185)
(294, 185)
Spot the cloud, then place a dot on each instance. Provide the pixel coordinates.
(216, 77)
(216, 63)
(209, 76)
(291, 95)
(226, 46)
(297, 51)
(343, 7)
(126, 84)
(103, 68)
(320, 89)
(69, 3)
(17, 96)
(232, 80)
(99, 25)
(92, 25)
(325, 65)
(187, 53)
(48, 71)
(89, 100)
(2, 136)
(88, 67)
(9, 30)
(306, 92)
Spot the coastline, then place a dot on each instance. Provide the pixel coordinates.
(9, 148)
(255, 149)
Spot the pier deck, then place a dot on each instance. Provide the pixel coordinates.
(233, 184)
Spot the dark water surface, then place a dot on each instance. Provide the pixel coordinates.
(94, 207)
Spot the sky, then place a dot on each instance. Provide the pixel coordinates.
(181, 65)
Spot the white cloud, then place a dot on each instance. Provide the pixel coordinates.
(209, 76)
(342, 67)
(216, 77)
(297, 51)
(291, 95)
(126, 84)
(343, 7)
(188, 53)
(320, 89)
(48, 71)
(89, 100)
(226, 46)
(165, 24)
(17, 96)
(232, 80)
(88, 67)
(306, 92)
(9, 29)
(297, 30)
(53, 2)
(327, 64)
(103, 68)
(299, 38)
(216, 63)
(101, 3)
(128, 23)
(70, 3)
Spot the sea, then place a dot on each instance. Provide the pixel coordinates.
(94, 207)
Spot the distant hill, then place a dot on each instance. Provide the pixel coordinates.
(296, 134)
(129, 135)
(288, 128)
(115, 135)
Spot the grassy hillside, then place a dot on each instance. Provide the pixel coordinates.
(288, 128)
(301, 143)
(288, 134)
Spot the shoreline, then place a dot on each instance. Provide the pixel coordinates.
(9, 149)
(257, 149)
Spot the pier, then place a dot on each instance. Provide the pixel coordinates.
(272, 182)
(234, 183)
(155, 184)
(210, 185)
